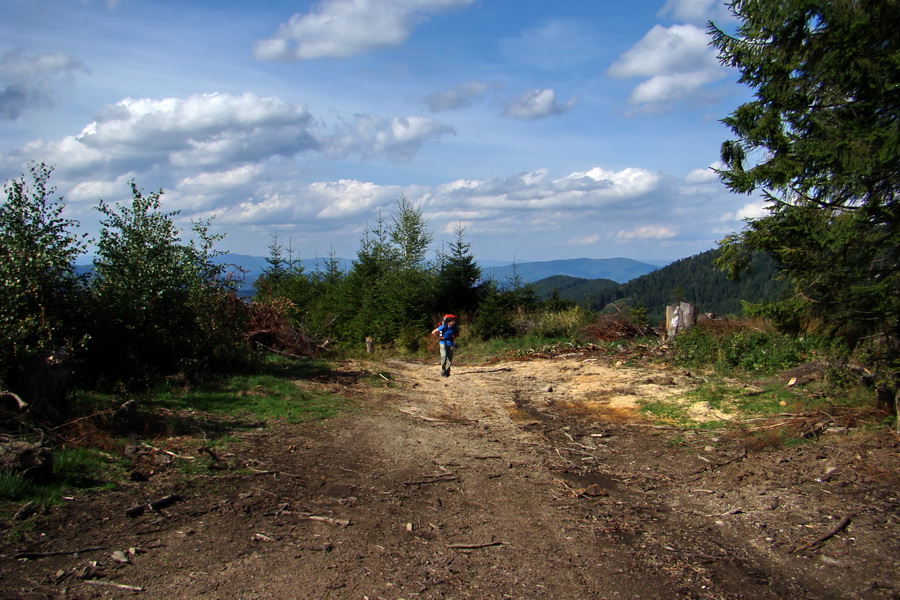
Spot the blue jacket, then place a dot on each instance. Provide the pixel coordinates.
(447, 333)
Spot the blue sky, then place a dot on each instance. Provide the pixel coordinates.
(549, 130)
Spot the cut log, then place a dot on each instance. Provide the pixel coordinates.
(32, 461)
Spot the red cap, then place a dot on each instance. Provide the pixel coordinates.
(449, 317)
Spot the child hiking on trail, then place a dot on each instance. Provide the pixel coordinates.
(446, 332)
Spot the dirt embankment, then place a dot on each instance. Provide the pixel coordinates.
(515, 480)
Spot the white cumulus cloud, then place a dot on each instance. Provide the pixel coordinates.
(221, 133)
(215, 130)
(675, 62)
(342, 28)
(587, 240)
(536, 190)
(705, 175)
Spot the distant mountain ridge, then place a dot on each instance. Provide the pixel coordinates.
(620, 270)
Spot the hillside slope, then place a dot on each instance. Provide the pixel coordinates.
(694, 279)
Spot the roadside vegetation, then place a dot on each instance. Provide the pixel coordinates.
(153, 343)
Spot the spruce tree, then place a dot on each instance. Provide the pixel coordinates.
(821, 143)
(458, 276)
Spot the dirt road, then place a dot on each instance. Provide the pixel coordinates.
(525, 479)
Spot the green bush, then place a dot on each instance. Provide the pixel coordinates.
(159, 304)
(751, 351)
(41, 297)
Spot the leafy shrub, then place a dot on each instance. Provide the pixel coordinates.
(760, 351)
(41, 297)
(787, 315)
(74, 469)
(752, 351)
(697, 347)
(160, 304)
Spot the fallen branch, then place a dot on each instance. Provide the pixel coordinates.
(842, 524)
(329, 520)
(261, 472)
(563, 457)
(172, 454)
(136, 511)
(438, 479)
(120, 586)
(474, 546)
(770, 417)
(423, 417)
(35, 555)
(28, 509)
(105, 412)
(281, 352)
(740, 456)
(20, 404)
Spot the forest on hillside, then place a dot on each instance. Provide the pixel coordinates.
(694, 279)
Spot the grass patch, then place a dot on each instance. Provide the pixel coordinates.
(270, 392)
(273, 391)
(266, 397)
(744, 400)
(291, 368)
(670, 413)
(75, 470)
(770, 400)
(14, 487)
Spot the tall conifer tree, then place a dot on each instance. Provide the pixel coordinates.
(821, 143)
